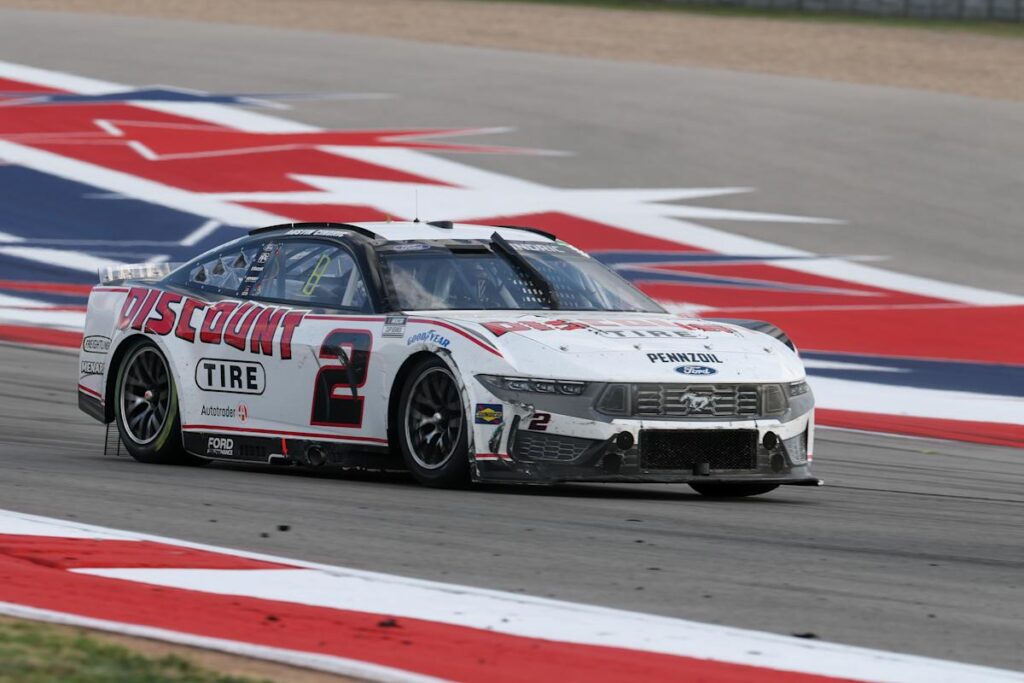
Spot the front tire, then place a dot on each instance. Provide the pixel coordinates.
(146, 408)
(433, 431)
(719, 490)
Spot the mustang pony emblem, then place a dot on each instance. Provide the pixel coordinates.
(691, 402)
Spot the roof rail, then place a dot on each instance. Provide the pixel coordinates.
(317, 224)
(446, 225)
(543, 233)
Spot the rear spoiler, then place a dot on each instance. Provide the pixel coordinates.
(111, 275)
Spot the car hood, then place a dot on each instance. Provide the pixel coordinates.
(633, 347)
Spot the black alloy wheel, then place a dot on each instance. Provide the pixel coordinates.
(433, 427)
(146, 408)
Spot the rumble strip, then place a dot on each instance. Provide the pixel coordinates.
(391, 628)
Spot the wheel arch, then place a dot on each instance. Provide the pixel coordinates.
(404, 371)
(113, 367)
(117, 356)
(763, 326)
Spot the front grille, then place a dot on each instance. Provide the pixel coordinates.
(550, 447)
(696, 400)
(721, 449)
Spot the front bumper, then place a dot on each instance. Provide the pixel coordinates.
(561, 448)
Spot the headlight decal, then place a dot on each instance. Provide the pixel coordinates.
(798, 388)
(534, 385)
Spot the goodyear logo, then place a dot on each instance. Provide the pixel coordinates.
(488, 414)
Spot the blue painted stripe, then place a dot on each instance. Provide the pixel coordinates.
(980, 378)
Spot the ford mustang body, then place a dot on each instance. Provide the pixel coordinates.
(459, 352)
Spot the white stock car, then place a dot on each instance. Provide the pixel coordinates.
(459, 352)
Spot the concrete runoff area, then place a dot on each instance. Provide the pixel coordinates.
(912, 546)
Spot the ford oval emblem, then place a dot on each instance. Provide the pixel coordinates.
(695, 370)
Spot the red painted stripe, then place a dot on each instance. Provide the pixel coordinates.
(422, 321)
(453, 328)
(275, 432)
(52, 287)
(92, 392)
(46, 336)
(82, 553)
(348, 318)
(987, 334)
(992, 433)
(64, 308)
(445, 651)
(492, 456)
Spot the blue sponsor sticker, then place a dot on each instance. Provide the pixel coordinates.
(428, 337)
(695, 370)
(489, 413)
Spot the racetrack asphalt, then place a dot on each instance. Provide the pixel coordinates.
(913, 545)
(929, 181)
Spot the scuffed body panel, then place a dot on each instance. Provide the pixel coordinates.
(262, 382)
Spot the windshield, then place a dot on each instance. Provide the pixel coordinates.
(474, 274)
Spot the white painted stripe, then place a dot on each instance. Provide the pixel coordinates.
(43, 317)
(338, 587)
(72, 260)
(135, 186)
(335, 665)
(57, 80)
(687, 232)
(938, 404)
(8, 301)
(814, 364)
(201, 233)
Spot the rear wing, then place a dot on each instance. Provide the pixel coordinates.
(111, 275)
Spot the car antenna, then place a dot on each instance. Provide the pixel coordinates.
(416, 194)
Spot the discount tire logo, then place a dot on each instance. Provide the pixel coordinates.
(230, 377)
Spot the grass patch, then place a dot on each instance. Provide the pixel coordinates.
(1004, 29)
(33, 652)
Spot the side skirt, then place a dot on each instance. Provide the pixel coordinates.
(257, 450)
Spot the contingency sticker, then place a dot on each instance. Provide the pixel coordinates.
(489, 413)
(394, 326)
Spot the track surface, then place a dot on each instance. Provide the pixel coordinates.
(930, 180)
(915, 545)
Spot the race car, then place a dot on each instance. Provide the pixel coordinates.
(462, 353)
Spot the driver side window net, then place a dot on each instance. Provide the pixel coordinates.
(309, 274)
(224, 272)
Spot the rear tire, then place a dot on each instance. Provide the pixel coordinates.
(718, 490)
(146, 408)
(433, 430)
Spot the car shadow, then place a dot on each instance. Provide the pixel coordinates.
(615, 491)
